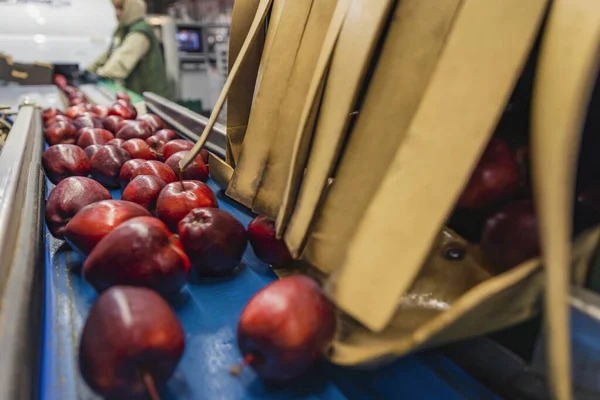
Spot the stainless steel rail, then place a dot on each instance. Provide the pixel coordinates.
(21, 210)
(187, 122)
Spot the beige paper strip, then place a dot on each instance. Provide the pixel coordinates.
(241, 92)
(413, 45)
(287, 118)
(566, 73)
(357, 40)
(308, 118)
(276, 69)
(467, 93)
(257, 23)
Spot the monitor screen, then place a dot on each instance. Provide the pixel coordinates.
(189, 39)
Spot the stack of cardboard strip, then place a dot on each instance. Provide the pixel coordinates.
(355, 124)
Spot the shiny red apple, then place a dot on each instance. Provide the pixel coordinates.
(64, 160)
(91, 150)
(137, 148)
(123, 96)
(93, 222)
(144, 190)
(496, 178)
(90, 136)
(269, 249)
(58, 118)
(88, 121)
(77, 111)
(100, 110)
(196, 171)
(214, 241)
(177, 199)
(60, 133)
(131, 335)
(111, 123)
(135, 130)
(139, 252)
(123, 109)
(155, 168)
(50, 112)
(105, 165)
(153, 120)
(68, 197)
(510, 236)
(175, 146)
(115, 142)
(285, 328)
(166, 135)
(127, 171)
(156, 146)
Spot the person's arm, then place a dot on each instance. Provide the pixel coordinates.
(98, 63)
(125, 57)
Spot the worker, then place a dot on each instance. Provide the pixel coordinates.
(135, 57)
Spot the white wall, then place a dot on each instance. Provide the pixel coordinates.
(56, 31)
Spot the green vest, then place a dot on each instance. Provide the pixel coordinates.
(149, 75)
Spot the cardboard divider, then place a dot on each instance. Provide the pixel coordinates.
(356, 44)
(567, 71)
(286, 119)
(239, 101)
(478, 69)
(413, 45)
(276, 66)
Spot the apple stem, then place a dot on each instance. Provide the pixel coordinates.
(237, 369)
(150, 386)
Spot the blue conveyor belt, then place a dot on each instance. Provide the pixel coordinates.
(208, 311)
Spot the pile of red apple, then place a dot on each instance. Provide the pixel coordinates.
(140, 250)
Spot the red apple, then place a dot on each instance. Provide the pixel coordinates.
(135, 130)
(68, 197)
(105, 165)
(124, 122)
(153, 120)
(123, 109)
(111, 123)
(123, 96)
(60, 133)
(496, 178)
(195, 171)
(144, 190)
(93, 222)
(285, 328)
(137, 148)
(175, 146)
(155, 168)
(60, 81)
(139, 252)
(101, 110)
(77, 111)
(213, 240)
(269, 249)
(510, 236)
(156, 146)
(64, 160)
(58, 118)
(177, 199)
(166, 135)
(88, 121)
(204, 155)
(131, 335)
(115, 142)
(91, 150)
(75, 100)
(50, 112)
(127, 171)
(88, 137)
